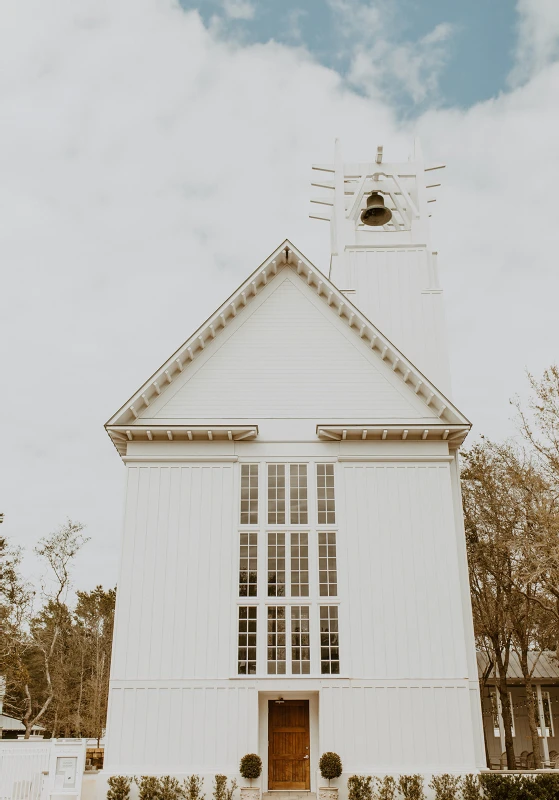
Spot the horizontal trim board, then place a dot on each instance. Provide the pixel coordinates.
(322, 682)
(185, 459)
(385, 248)
(396, 458)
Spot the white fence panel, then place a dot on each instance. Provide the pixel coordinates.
(21, 768)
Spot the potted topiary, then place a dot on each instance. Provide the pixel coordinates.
(250, 769)
(330, 766)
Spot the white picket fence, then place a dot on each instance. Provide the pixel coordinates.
(22, 764)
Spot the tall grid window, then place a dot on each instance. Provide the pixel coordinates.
(298, 500)
(246, 654)
(299, 564)
(249, 494)
(276, 565)
(300, 641)
(276, 494)
(329, 642)
(277, 636)
(248, 561)
(325, 494)
(295, 535)
(327, 568)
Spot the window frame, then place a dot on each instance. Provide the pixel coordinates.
(256, 616)
(314, 600)
(546, 699)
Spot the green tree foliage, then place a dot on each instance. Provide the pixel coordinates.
(446, 787)
(330, 766)
(360, 787)
(411, 787)
(386, 788)
(192, 788)
(250, 767)
(119, 787)
(223, 790)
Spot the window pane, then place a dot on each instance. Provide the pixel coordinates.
(246, 658)
(325, 494)
(248, 564)
(298, 500)
(329, 644)
(249, 494)
(276, 565)
(299, 565)
(277, 640)
(276, 494)
(300, 641)
(327, 566)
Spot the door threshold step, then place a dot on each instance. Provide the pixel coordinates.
(289, 794)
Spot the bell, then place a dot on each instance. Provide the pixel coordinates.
(376, 213)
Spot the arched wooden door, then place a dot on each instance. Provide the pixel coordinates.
(288, 745)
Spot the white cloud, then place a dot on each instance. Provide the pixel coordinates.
(147, 167)
(538, 38)
(379, 63)
(239, 9)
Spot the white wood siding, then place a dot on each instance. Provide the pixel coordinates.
(402, 615)
(391, 728)
(288, 355)
(394, 290)
(181, 729)
(403, 699)
(173, 617)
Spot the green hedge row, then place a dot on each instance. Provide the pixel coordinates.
(542, 786)
(168, 788)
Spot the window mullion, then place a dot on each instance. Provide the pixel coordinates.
(288, 665)
(288, 564)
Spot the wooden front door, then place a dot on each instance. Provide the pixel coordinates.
(289, 745)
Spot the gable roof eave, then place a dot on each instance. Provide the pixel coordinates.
(287, 255)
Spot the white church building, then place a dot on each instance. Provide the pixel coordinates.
(293, 575)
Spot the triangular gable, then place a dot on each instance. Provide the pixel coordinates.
(330, 297)
(286, 357)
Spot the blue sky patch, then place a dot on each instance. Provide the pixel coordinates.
(465, 61)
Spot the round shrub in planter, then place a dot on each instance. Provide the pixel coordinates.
(330, 766)
(250, 769)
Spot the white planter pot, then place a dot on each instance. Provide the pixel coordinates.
(328, 793)
(250, 793)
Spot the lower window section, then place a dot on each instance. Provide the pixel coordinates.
(288, 640)
(277, 636)
(300, 641)
(246, 654)
(329, 642)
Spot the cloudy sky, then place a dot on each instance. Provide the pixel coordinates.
(152, 153)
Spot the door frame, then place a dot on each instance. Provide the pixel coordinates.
(263, 699)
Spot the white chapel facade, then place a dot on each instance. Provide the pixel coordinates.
(293, 574)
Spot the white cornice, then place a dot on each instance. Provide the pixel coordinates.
(122, 434)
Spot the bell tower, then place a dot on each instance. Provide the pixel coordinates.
(381, 256)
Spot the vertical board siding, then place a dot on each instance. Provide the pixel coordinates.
(402, 615)
(390, 290)
(181, 729)
(391, 728)
(178, 564)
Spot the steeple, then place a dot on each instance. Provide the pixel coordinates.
(388, 271)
